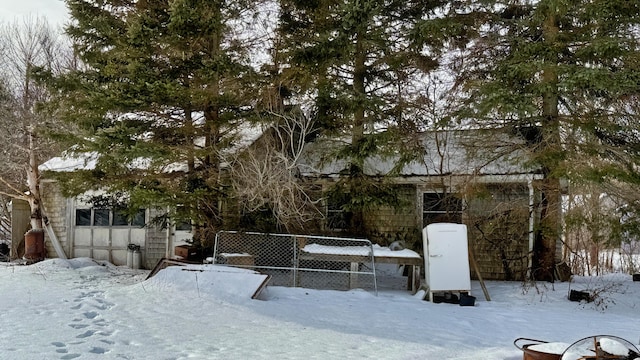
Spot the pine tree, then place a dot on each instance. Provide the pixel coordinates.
(562, 74)
(162, 95)
(355, 60)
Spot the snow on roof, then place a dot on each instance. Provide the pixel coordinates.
(446, 152)
(244, 135)
(68, 162)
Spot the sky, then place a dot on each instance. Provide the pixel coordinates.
(54, 10)
(85, 309)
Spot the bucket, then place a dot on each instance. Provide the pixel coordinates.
(540, 350)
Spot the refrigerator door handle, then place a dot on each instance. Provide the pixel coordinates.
(440, 255)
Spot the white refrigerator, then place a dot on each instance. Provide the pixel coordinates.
(446, 257)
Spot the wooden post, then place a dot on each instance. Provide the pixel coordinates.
(472, 258)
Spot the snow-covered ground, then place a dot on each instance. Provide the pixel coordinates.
(78, 308)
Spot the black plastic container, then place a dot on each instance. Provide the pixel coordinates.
(467, 300)
(575, 295)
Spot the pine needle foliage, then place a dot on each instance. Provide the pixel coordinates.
(566, 73)
(355, 60)
(162, 94)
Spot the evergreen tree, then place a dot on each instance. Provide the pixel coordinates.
(355, 60)
(562, 74)
(163, 94)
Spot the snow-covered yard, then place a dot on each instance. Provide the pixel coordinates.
(67, 309)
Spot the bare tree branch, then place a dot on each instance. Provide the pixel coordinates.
(266, 174)
(26, 45)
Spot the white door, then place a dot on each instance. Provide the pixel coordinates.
(446, 257)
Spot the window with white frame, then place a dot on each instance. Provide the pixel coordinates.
(103, 217)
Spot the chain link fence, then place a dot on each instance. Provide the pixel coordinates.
(316, 262)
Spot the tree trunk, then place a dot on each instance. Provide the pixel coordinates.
(359, 73)
(356, 170)
(190, 138)
(33, 179)
(549, 153)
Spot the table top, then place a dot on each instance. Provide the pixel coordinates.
(361, 254)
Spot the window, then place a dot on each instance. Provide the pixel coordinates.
(101, 217)
(120, 218)
(83, 217)
(139, 219)
(337, 217)
(441, 207)
(108, 217)
(182, 221)
(183, 226)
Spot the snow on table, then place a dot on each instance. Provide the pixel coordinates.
(356, 254)
(378, 251)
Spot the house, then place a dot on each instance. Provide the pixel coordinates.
(457, 179)
(87, 229)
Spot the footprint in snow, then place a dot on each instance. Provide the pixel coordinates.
(90, 314)
(78, 326)
(70, 356)
(86, 334)
(98, 350)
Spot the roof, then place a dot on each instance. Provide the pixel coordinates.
(455, 152)
(70, 160)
